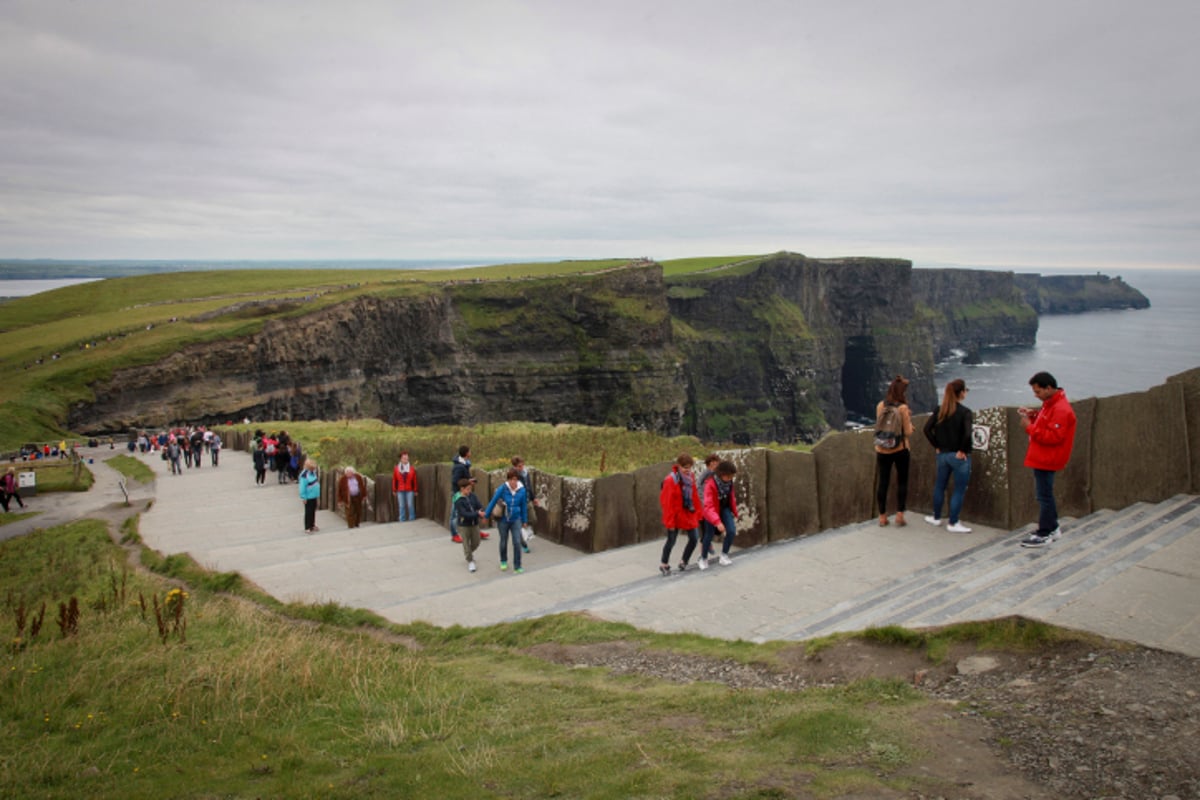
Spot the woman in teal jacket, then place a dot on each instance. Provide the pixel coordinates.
(310, 490)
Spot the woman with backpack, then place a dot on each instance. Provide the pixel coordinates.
(893, 426)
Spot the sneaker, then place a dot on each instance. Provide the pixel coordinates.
(1036, 540)
(1054, 534)
(519, 570)
(664, 570)
(702, 563)
(470, 566)
(503, 566)
(456, 539)
(933, 521)
(958, 527)
(725, 560)
(683, 566)
(484, 535)
(525, 548)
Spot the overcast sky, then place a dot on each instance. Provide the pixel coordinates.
(1001, 133)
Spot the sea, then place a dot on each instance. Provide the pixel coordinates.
(1096, 353)
(1093, 354)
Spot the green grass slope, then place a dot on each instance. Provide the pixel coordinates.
(55, 344)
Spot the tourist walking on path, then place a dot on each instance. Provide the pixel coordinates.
(720, 510)
(534, 504)
(214, 447)
(351, 489)
(174, 452)
(9, 489)
(1051, 431)
(310, 490)
(470, 515)
(260, 463)
(707, 531)
(404, 486)
(680, 502)
(461, 469)
(893, 427)
(948, 429)
(513, 516)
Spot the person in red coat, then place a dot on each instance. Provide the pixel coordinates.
(404, 485)
(1051, 431)
(720, 511)
(680, 501)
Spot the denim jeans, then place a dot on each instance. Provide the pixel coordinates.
(507, 528)
(690, 548)
(950, 464)
(1043, 481)
(405, 507)
(710, 531)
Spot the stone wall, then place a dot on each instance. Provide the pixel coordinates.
(1140, 447)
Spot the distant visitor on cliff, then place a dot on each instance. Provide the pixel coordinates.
(1051, 431)
(679, 498)
(351, 493)
(893, 427)
(461, 464)
(404, 486)
(948, 429)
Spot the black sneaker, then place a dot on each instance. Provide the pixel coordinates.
(1036, 539)
(664, 570)
(683, 566)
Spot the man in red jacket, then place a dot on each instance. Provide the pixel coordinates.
(1051, 431)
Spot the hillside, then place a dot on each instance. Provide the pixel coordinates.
(738, 348)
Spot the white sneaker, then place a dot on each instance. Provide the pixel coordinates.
(933, 520)
(1054, 534)
(725, 560)
(958, 527)
(470, 566)
(702, 563)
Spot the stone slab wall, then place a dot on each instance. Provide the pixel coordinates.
(1128, 448)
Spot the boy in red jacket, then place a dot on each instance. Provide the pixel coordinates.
(680, 503)
(1051, 431)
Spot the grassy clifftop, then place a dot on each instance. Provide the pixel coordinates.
(55, 345)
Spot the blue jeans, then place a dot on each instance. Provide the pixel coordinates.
(1043, 482)
(507, 528)
(949, 464)
(405, 506)
(710, 530)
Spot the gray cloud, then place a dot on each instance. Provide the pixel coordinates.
(1021, 133)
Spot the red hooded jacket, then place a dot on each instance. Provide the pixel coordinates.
(1051, 434)
(674, 515)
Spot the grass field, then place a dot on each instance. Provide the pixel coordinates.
(157, 690)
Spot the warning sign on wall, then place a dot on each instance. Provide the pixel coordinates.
(980, 436)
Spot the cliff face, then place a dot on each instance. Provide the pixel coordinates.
(1073, 294)
(589, 349)
(969, 310)
(782, 349)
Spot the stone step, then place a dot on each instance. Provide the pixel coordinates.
(1133, 541)
(997, 576)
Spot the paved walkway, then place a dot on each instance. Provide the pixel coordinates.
(1132, 575)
